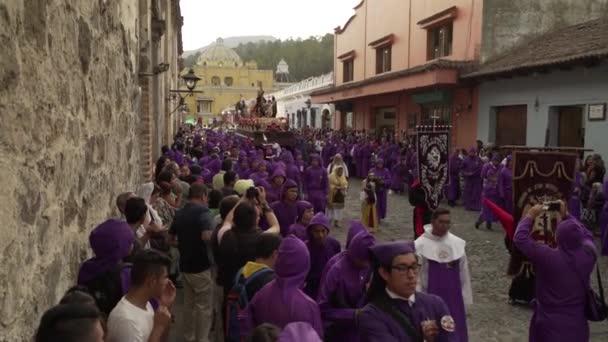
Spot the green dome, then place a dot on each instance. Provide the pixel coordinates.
(219, 55)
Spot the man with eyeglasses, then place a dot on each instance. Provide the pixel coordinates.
(444, 268)
(396, 312)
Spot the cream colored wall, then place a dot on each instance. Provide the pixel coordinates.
(393, 16)
(389, 16)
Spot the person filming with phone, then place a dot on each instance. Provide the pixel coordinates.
(562, 275)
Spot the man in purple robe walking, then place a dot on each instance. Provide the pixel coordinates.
(383, 181)
(321, 248)
(316, 184)
(505, 186)
(489, 175)
(453, 188)
(471, 170)
(444, 268)
(281, 301)
(342, 291)
(286, 208)
(396, 312)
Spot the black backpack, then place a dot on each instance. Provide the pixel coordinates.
(106, 288)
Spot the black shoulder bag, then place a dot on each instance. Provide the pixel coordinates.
(596, 309)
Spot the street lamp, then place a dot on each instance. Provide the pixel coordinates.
(191, 79)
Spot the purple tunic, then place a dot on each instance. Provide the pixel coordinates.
(291, 169)
(375, 325)
(444, 281)
(382, 191)
(559, 309)
(398, 176)
(471, 169)
(453, 188)
(363, 163)
(489, 174)
(355, 228)
(273, 192)
(316, 186)
(281, 301)
(505, 189)
(286, 215)
(343, 289)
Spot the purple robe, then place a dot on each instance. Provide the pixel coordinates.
(365, 155)
(328, 152)
(292, 171)
(559, 308)
(471, 196)
(343, 289)
(453, 188)
(444, 281)
(399, 174)
(319, 254)
(489, 174)
(382, 191)
(375, 325)
(316, 186)
(286, 215)
(281, 301)
(505, 189)
(574, 202)
(603, 220)
(273, 192)
(299, 230)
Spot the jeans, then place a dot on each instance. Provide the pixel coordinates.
(198, 304)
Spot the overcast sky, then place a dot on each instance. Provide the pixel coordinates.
(206, 20)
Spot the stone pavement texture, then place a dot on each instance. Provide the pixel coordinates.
(490, 318)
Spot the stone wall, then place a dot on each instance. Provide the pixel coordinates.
(507, 23)
(68, 142)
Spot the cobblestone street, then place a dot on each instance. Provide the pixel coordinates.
(490, 318)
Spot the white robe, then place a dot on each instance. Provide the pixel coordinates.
(443, 249)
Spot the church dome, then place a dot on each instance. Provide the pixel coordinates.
(219, 55)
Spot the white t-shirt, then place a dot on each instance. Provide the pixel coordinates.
(129, 323)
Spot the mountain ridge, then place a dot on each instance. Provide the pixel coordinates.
(233, 42)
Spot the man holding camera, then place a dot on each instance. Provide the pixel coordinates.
(562, 275)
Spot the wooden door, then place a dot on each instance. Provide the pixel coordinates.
(511, 123)
(570, 127)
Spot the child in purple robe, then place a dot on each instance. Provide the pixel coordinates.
(489, 175)
(281, 301)
(343, 288)
(274, 186)
(304, 215)
(286, 208)
(260, 175)
(316, 184)
(383, 181)
(471, 170)
(321, 248)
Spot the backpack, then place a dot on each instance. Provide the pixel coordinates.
(237, 301)
(106, 288)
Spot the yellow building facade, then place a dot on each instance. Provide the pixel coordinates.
(225, 78)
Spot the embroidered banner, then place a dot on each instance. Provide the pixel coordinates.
(433, 158)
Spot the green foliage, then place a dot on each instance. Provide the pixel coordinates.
(306, 58)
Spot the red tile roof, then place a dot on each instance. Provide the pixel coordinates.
(581, 43)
